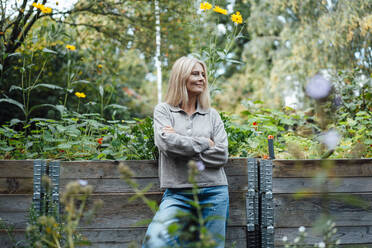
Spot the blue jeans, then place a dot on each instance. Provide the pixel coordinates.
(215, 202)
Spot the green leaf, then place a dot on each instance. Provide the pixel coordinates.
(173, 228)
(46, 50)
(64, 146)
(43, 106)
(50, 86)
(14, 102)
(14, 121)
(116, 106)
(7, 148)
(233, 61)
(15, 87)
(1, 67)
(14, 54)
(101, 90)
(81, 82)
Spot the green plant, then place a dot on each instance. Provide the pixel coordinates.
(216, 52)
(49, 229)
(326, 228)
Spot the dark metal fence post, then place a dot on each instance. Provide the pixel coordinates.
(54, 170)
(267, 204)
(253, 237)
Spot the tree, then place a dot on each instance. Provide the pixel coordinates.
(293, 40)
(119, 35)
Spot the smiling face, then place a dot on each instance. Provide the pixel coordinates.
(196, 82)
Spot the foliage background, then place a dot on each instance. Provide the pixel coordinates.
(260, 79)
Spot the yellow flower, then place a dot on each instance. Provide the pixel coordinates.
(99, 66)
(237, 18)
(220, 10)
(42, 8)
(46, 10)
(205, 6)
(80, 94)
(71, 47)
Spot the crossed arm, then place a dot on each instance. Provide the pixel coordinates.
(213, 152)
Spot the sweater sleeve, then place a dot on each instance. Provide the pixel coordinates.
(173, 143)
(216, 156)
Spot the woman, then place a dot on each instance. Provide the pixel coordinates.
(187, 128)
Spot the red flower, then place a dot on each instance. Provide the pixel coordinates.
(100, 141)
(265, 157)
(61, 150)
(270, 137)
(254, 123)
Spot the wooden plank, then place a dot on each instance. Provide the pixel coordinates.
(291, 212)
(12, 185)
(140, 168)
(107, 238)
(347, 235)
(15, 203)
(336, 185)
(18, 219)
(113, 185)
(19, 235)
(16, 168)
(14, 209)
(118, 212)
(336, 168)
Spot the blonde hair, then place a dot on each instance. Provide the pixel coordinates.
(177, 91)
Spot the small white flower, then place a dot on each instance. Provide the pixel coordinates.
(318, 87)
(284, 238)
(83, 182)
(331, 139)
(321, 245)
(338, 242)
(296, 240)
(200, 165)
(301, 229)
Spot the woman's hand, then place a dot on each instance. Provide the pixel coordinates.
(169, 129)
(211, 143)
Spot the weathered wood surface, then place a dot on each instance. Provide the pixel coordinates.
(123, 237)
(118, 212)
(304, 189)
(107, 238)
(118, 217)
(140, 168)
(16, 177)
(310, 167)
(14, 209)
(16, 168)
(13, 185)
(332, 185)
(291, 212)
(113, 185)
(360, 235)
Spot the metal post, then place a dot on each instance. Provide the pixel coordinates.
(267, 204)
(270, 142)
(252, 204)
(37, 185)
(54, 170)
